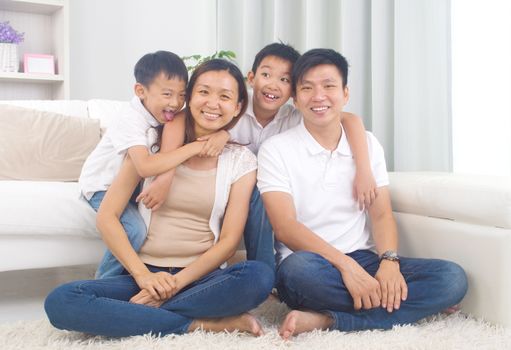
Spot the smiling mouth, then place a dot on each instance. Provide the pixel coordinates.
(271, 96)
(210, 116)
(319, 109)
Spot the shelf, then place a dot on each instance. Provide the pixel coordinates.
(45, 7)
(46, 27)
(30, 78)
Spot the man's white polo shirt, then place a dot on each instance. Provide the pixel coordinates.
(321, 184)
(134, 126)
(249, 132)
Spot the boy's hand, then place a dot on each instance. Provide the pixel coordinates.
(364, 189)
(215, 143)
(154, 195)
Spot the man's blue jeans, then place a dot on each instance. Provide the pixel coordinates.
(306, 280)
(135, 229)
(258, 234)
(102, 307)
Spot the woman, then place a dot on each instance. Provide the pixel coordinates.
(175, 284)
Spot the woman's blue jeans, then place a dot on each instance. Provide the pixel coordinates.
(102, 307)
(306, 280)
(258, 234)
(135, 229)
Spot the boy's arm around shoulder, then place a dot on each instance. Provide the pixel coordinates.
(148, 164)
(364, 186)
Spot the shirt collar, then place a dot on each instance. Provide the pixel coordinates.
(314, 148)
(250, 108)
(137, 105)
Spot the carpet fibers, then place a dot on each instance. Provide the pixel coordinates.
(456, 331)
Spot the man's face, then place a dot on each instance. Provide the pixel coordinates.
(271, 83)
(163, 98)
(320, 96)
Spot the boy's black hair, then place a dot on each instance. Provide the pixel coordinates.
(281, 50)
(153, 64)
(317, 57)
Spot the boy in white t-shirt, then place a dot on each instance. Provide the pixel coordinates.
(161, 79)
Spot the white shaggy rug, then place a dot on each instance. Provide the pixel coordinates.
(456, 331)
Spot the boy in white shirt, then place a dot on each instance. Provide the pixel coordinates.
(161, 79)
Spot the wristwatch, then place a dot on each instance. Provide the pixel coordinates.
(389, 255)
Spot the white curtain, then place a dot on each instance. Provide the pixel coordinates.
(399, 54)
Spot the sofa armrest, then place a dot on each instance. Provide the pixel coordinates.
(476, 199)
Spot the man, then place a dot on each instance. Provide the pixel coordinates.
(335, 269)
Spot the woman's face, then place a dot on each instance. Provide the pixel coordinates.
(214, 101)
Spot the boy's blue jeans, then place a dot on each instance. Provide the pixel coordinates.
(102, 307)
(135, 229)
(258, 234)
(306, 280)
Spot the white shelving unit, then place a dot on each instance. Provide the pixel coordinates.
(46, 27)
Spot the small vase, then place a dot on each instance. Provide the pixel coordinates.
(9, 57)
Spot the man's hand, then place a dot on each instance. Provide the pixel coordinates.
(363, 288)
(154, 195)
(392, 284)
(215, 143)
(364, 189)
(160, 285)
(145, 298)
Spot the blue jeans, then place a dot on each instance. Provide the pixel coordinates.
(135, 229)
(102, 307)
(306, 280)
(258, 234)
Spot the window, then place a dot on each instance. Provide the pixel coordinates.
(481, 86)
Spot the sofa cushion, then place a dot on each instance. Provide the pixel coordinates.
(41, 145)
(477, 199)
(45, 208)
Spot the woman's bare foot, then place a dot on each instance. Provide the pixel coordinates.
(297, 322)
(452, 309)
(244, 323)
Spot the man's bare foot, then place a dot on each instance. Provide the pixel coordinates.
(297, 322)
(244, 323)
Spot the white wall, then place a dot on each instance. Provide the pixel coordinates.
(108, 37)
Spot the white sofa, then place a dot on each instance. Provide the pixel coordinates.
(466, 219)
(46, 223)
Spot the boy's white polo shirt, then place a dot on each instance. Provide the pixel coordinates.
(250, 133)
(321, 184)
(134, 126)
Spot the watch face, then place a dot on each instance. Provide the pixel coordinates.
(390, 255)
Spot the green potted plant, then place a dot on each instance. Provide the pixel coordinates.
(194, 60)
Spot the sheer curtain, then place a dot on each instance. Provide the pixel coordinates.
(399, 54)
